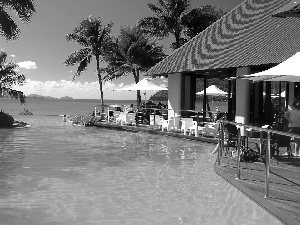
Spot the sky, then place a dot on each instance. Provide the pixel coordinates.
(42, 48)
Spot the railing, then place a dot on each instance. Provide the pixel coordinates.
(263, 141)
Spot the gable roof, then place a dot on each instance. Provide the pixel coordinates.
(246, 36)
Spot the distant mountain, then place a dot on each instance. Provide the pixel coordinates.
(66, 97)
(39, 96)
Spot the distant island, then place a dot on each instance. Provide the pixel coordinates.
(66, 97)
(39, 96)
(47, 97)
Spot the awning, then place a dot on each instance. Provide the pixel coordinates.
(288, 70)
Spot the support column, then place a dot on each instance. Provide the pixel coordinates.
(242, 98)
(174, 94)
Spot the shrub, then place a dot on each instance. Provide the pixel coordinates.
(6, 120)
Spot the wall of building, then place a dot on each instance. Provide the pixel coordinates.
(174, 94)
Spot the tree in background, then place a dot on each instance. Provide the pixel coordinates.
(166, 20)
(94, 37)
(175, 17)
(197, 20)
(131, 52)
(23, 8)
(9, 76)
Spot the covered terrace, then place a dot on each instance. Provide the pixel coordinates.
(246, 40)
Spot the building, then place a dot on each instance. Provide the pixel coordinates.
(246, 40)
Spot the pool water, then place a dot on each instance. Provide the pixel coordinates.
(57, 173)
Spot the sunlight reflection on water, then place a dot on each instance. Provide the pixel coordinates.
(56, 173)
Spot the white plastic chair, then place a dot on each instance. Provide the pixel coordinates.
(130, 119)
(193, 129)
(211, 129)
(158, 120)
(171, 124)
(121, 118)
(186, 124)
(116, 115)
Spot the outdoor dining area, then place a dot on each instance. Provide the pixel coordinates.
(154, 116)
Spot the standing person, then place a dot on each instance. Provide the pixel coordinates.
(293, 116)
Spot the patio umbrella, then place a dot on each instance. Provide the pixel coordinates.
(288, 70)
(144, 85)
(213, 90)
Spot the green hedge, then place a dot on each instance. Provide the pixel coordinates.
(6, 120)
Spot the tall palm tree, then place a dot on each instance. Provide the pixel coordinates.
(94, 38)
(9, 76)
(131, 52)
(175, 17)
(166, 19)
(23, 8)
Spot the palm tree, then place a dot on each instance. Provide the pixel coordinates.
(23, 8)
(199, 19)
(131, 52)
(9, 76)
(175, 17)
(166, 19)
(94, 38)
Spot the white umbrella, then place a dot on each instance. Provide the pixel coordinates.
(288, 70)
(213, 90)
(144, 85)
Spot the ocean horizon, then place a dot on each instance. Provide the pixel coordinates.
(73, 107)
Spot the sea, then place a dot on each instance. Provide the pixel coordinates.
(55, 173)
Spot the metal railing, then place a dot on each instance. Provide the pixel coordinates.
(263, 141)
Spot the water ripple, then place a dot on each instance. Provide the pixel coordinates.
(56, 173)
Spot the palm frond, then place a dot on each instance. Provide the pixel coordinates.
(24, 8)
(153, 26)
(82, 66)
(13, 94)
(79, 39)
(77, 56)
(8, 28)
(3, 56)
(156, 10)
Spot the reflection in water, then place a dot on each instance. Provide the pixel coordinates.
(56, 173)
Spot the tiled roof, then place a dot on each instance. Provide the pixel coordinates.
(247, 36)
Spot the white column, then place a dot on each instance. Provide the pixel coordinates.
(174, 94)
(242, 98)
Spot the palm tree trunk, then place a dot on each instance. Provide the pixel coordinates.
(100, 82)
(177, 39)
(136, 75)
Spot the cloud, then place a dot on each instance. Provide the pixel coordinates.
(13, 56)
(78, 90)
(27, 65)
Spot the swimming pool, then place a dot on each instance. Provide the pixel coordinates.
(56, 173)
